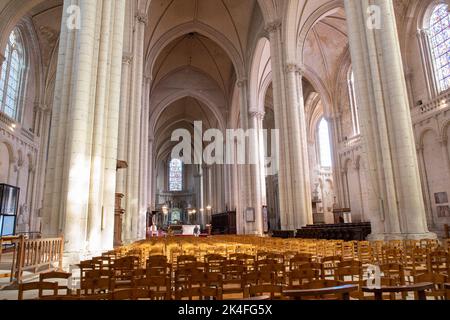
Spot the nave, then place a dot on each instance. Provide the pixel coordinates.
(254, 268)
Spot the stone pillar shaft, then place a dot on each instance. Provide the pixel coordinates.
(80, 180)
(385, 124)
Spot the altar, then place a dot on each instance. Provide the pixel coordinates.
(185, 230)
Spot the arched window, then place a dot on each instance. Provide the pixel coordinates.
(353, 105)
(175, 175)
(324, 144)
(12, 75)
(439, 37)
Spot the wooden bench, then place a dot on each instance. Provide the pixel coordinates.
(420, 288)
(344, 290)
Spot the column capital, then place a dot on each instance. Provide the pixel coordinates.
(419, 147)
(259, 115)
(141, 17)
(291, 67)
(242, 82)
(40, 107)
(127, 58)
(273, 26)
(443, 141)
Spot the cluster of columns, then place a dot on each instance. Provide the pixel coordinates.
(293, 163)
(81, 173)
(395, 197)
(133, 132)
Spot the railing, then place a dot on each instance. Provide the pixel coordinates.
(439, 103)
(37, 255)
(352, 141)
(7, 120)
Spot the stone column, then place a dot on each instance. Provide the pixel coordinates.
(286, 208)
(358, 172)
(123, 120)
(134, 222)
(294, 186)
(144, 160)
(80, 180)
(257, 168)
(443, 141)
(395, 197)
(151, 190)
(425, 186)
(245, 195)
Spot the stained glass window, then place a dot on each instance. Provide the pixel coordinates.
(11, 75)
(324, 144)
(440, 45)
(176, 175)
(353, 105)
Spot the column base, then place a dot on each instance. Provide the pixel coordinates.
(401, 236)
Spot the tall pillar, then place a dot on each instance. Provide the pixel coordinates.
(80, 180)
(144, 160)
(123, 120)
(134, 222)
(294, 187)
(257, 168)
(151, 190)
(425, 186)
(246, 184)
(396, 206)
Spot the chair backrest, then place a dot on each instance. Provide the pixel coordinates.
(274, 291)
(132, 294)
(199, 293)
(98, 281)
(395, 272)
(349, 269)
(41, 287)
(301, 276)
(298, 260)
(259, 277)
(184, 259)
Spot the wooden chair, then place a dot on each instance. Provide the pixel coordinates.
(274, 291)
(214, 262)
(160, 286)
(40, 287)
(97, 282)
(316, 267)
(336, 293)
(438, 262)
(132, 294)
(206, 279)
(298, 260)
(233, 273)
(199, 293)
(438, 291)
(350, 273)
(259, 278)
(418, 289)
(330, 264)
(247, 260)
(54, 275)
(185, 259)
(416, 263)
(299, 277)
